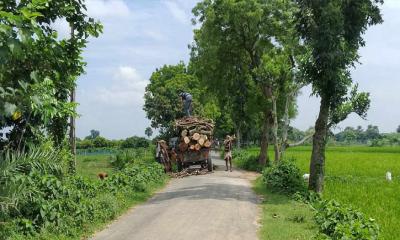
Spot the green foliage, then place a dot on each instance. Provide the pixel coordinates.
(284, 177)
(100, 142)
(358, 135)
(337, 221)
(84, 144)
(246, 160)
(93, 134)
(36, 197)
(388, 139)
(245, 52)
(282, 217)
(162, 103)
(358, 103)
(124, 157)
(333, 32)
(135, 142)
(38, 70)
(148, 131)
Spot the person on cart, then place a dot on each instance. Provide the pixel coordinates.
(186, 99)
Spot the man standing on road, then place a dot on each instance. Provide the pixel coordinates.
(186, 99)
(228, 152)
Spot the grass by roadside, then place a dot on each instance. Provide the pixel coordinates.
(77, 206)
(122, 203)
(125, 203)
(90, 166)
(355, 176)
(282, 217)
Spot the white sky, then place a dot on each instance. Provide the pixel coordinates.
(142, 35)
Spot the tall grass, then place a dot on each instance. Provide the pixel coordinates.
(355, 175)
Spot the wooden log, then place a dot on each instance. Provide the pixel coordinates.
(196, 136)
(207, 144)
(186, 140)
(201, 141)
(197, 147)
(193, 131)
(208, 133)
(184, 133)
(192, 147)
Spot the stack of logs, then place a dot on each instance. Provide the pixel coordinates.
(195, 133)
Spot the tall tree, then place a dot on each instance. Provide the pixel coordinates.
(228, 52)
(162, 102)
(93, 134)
(148, 131)
(398, 129)
(333, 30)
(37, 69)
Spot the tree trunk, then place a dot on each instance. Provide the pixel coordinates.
(317, 164)
(238, 138)
(263, 159)
(72, 136)
(285, 126)
(275, 130)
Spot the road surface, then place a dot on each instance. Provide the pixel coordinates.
(220, 205)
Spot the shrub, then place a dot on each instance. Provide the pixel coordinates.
(247, 161)
(284, 177)
(37, 197)
(129, 156)
(337, 221)
(135, 142)
(122, 158)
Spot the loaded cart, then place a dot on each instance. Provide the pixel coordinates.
(193, 142)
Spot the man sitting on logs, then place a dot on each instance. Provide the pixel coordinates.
(228, 151)
(186, 99)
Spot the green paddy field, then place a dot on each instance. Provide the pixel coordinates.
(355, 175)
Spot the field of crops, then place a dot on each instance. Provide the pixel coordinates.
(355, 175)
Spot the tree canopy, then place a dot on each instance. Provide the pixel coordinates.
(162, 102)
(245, 52)
(38, 70)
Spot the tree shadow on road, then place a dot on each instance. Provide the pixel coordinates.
(215, 191)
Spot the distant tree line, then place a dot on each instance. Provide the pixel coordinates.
(94, 140)
(369, 136)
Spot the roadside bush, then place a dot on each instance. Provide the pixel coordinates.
(284, 177)
(129, 156)
(247, 161)
(135, 142)
(122, 158)
(37, 196)
(337, 222)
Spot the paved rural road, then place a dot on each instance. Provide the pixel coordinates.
(216, 206)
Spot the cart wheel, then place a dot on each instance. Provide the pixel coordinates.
(180, 167)
(209, 165)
